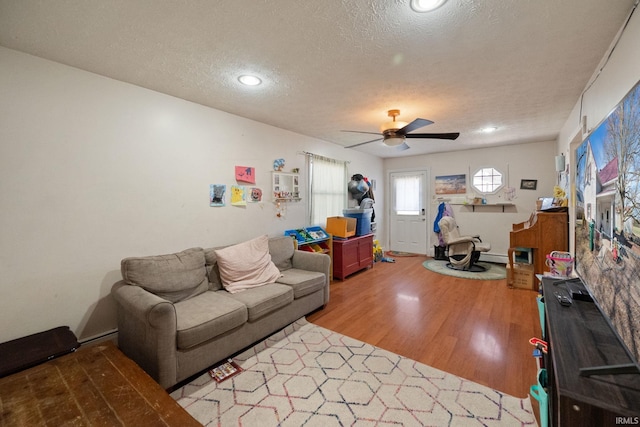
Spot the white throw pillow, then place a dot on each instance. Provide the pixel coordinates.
(246, 265)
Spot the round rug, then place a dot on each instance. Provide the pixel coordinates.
(493, 272)
(403, 254)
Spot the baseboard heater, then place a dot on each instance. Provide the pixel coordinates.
(497, 258)
(111, 335)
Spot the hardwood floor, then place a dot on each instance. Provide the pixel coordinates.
(478, 330)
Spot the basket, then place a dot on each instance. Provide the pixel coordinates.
(340, 226)
(540, 394)
(560, 263)
(540, 301)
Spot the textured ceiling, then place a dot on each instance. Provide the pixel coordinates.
(520, 65)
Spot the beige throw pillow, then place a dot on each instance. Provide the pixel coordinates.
(246, 265)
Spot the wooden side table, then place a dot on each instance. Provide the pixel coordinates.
(95, 385)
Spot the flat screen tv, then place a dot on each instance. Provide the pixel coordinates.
(607, 210)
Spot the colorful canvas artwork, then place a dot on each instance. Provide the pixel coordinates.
(255, 195)
(238, 195)
(216, 194)
(451, 184)
(246, 174)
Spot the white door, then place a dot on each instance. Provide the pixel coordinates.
(408, 216)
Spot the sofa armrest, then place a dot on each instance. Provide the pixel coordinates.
(312, 261)
(143, 305)
(147, 331)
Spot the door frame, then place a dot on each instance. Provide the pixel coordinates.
(427, 202)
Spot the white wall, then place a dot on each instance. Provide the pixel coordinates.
(517, 162)
(93, 170)
(618, 75)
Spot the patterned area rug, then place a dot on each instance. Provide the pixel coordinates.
(308, 375)
(493, 272)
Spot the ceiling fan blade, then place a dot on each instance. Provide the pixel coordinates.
(357, 131)
(362, 143)
(416, 124)
(402, 147)
(453, 135)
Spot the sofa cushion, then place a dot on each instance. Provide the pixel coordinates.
(246, 265)
(281, 249)
(206, 316)
(265, 299)
(303, 282)
(213, 272)
(174, 277)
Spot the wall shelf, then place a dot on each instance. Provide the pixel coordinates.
(285, 187)
(287, 199)
(473, 206)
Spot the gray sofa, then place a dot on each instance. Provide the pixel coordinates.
(175, 319)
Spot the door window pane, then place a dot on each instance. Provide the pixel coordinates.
(408, 195)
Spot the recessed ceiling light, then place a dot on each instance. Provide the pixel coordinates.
(426, 5)
(489, 129)
(249, 80)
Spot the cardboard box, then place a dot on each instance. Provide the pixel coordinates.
(340, 226)
(521, 277)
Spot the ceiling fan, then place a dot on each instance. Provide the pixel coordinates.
(395, 132)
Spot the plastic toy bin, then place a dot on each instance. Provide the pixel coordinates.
(341, 226)
(363, 217)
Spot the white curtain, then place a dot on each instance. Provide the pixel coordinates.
(327, 180)
(408, 194)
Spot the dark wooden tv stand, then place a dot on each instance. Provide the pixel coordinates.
(579, 336)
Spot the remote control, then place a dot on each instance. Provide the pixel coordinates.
(563, 299)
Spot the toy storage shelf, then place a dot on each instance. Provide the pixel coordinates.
(313, 239)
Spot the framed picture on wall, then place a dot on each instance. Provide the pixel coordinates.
(528, 184)
(451, 184)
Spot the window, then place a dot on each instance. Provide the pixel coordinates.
(408, 195)
(328, 188)
(487, 180)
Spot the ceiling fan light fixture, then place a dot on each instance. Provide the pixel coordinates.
(394, 125)
(395, 132)
(422, 6)
(394, 141)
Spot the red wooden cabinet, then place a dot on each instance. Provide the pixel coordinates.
(352, 255)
